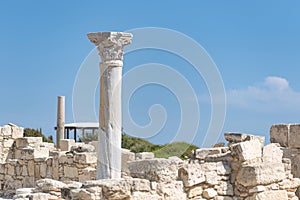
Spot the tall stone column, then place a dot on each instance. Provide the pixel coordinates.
(60, 126)
(110, 46)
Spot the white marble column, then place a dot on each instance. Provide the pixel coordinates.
(110, 46)
(60, 126)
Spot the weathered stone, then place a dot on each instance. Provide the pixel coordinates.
(8, 143)
(145, 196)
(66, 144)
(272, 153)
(41, 152)
(47, 185)
(279, 134)
(112, 188)
(172, 190)
(289, 183)
(127, 156)
(209, 193)
(294, 136)
(81, 147)
(191, 174)
(256, 189)
(247, 150)
(70, 172)
(142, 185)
(89, 173)
(270, 195)
(85, 158)
(48, 145)
(28, 141)
(260, 174)
(24, 190)
(201, 154)
(158, 169)
(195, 191)
(40, 196)
(144, 155)
(241, 137)
(6, 130)
(224, 188)
(16, 132)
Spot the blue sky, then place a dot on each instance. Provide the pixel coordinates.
(254, 44)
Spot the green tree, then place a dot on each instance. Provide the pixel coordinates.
(29, 132)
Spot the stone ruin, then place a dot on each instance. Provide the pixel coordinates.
(245, 169)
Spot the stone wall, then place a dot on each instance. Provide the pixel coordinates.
(245, 169)
(25, 160)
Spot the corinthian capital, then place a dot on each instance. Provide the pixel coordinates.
(110, 44)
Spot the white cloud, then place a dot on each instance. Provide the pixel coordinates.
(274, 94)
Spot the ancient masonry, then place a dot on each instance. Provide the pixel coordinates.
(243, 170)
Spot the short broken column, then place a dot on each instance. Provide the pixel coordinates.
(60, 126)
(110, 46)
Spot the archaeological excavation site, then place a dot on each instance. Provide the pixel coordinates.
(245, 168)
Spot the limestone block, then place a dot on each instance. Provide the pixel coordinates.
(31, 168)
(6, 131)
(65, 158)
(8, 143)
(49, 146)
(141, 185)
(289, 183)
(41, 152)
(28, 141)
(172, 190)
(279, 134)
(201, 154)
(260, 174)
(24, 190)
(195, 191)
(270, 195)
(256, 189)
(81, 147)
(241, 137)
(247, 150)
(66, 144)
(212, 178)
(2, 168)
(192, 174)
(223, 198)
(145, 196)
(209, 193)
(294, 136)
(89, 173)
(16, 132)
(224, 188)
(272, 153)
(47, 185)
(80, 194)
(43, 170)
(85, 158)
(144, 155)
(111, 188)
(41, 196)
(157, 169)
(70, 172)
(127, 156)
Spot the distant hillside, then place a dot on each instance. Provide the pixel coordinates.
(179, 149)
(136, 145)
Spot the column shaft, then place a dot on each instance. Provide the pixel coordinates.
(60, 127)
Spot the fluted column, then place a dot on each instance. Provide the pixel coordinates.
(110, 46)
